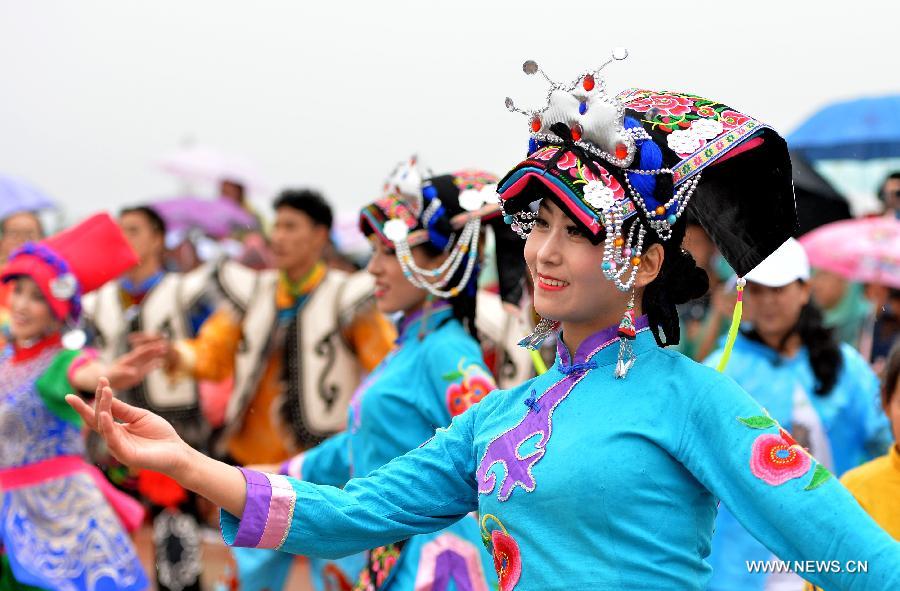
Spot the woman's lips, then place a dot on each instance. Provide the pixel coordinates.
(551, 283)
(380, 290)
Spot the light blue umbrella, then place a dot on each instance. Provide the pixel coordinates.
(861, 129)
(17, 196)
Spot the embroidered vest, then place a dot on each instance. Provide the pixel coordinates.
(165, 310)
(321, 369)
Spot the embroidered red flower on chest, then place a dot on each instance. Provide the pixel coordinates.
(505, 550)
(507, 561)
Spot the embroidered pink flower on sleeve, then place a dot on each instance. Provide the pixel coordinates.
(471, 390)
(775, 460)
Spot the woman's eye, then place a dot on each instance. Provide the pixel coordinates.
(541, 223)
(575, 232)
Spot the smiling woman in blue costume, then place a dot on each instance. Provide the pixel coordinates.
(604, 472)
(425, 236)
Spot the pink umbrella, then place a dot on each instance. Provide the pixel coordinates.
(217, 217)
(865, 250)
(202, 163)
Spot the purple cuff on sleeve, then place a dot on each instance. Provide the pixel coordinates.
(256, 509)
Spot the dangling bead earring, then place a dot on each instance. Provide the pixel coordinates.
(541, 331)
(627, 334)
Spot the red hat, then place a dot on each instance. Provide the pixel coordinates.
(74, 262)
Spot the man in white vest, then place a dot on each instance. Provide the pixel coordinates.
(148, 299)
(296, 339)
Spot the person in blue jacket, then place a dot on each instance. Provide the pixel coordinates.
(822, 392)
(604, 472)
(434, 373)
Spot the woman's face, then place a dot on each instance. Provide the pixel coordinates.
(774, 311)
(30, 315)
(393, 291)
(569, 285)
(827, 288)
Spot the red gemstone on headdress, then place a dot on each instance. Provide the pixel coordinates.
(588, 83)
(577, 132)
(535, 124)
(621, 151)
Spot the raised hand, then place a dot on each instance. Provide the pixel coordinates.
(145, 440)
(136, 339)
(141, 440)
(169, 354)
(130, 369)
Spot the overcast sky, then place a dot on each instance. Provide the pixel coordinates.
(333, 94)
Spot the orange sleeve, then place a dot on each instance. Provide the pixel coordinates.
(372, 336)
(210, 356)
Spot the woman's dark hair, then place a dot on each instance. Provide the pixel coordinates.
(310, 202)
(464, 302)
(891, 375)
(824, 351)
(680, 280)
(157, 223)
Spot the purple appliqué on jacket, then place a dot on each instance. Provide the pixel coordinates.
(538, 419)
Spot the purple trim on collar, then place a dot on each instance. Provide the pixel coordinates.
(595, 342)
(256, 509)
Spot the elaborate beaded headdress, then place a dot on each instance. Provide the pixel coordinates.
(446, 211)
(640, 154)
(608, 158)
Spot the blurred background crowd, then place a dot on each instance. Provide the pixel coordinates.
(818, 331)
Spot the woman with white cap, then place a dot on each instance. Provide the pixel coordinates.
(821, 391)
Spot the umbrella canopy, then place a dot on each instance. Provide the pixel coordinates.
(860, 129)
(202, 163)
(214, 217)
(865, 250)
(818, 203)
(17, 196)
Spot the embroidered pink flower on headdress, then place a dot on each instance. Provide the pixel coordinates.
(567, 161)
(665, 104)
(545, 153)
(776, 460)
(732, 119)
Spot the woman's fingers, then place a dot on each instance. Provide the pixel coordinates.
(98, 395)
(112, 436)
(125, 412)
(136, 339)
(84, 410)
(147, 353)
(105, 405)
